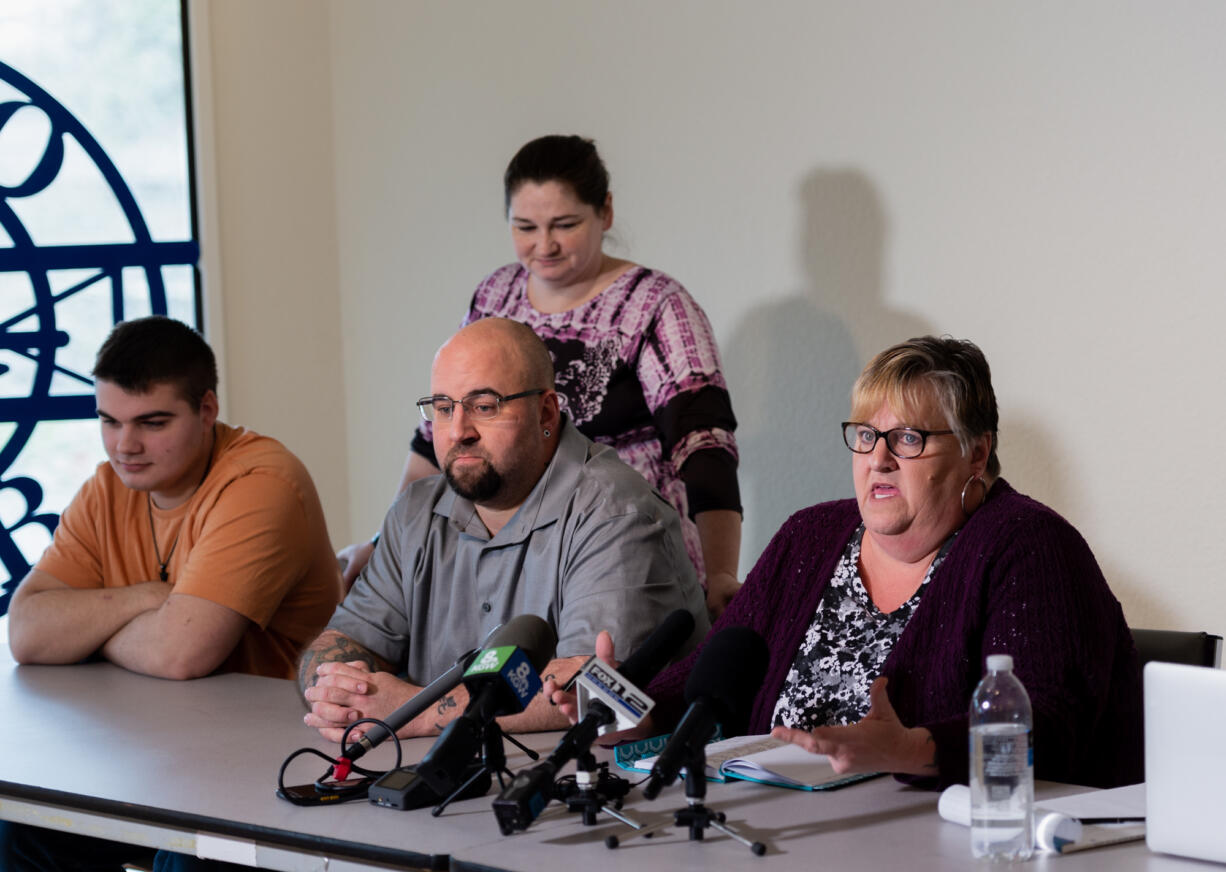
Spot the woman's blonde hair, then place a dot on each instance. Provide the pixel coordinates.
(951, 371)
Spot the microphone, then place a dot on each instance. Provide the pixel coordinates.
(726, 677)
(422, 700)
(614, 701)
(501, 681)
(613, 697)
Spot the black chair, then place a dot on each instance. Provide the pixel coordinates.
(1176, 646)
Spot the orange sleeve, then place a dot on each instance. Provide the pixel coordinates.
(74, 555)
(252, 548)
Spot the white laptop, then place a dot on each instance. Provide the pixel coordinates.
(1185, 760)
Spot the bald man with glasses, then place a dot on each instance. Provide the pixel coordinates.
(528, 517)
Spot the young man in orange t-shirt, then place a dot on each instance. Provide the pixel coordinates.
(197, 548)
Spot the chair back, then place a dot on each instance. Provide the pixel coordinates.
(1177, 646)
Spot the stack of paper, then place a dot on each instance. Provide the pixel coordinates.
(1090, 810)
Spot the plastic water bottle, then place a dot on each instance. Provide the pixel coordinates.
(1002, 766)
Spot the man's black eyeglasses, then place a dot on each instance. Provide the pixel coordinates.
(481, 406)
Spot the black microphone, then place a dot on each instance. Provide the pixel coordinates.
(721, 689)
(422, 700)
(501, 681)
(521, 801)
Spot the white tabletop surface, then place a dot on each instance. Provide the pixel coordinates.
(160, 761)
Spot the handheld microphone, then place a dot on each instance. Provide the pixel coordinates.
(613, 700)
(422, 700)
(501, 681)
(721, 689)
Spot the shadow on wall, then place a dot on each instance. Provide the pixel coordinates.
(791, 361)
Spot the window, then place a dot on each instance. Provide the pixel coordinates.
(96, 226)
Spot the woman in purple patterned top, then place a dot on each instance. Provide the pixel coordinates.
(635, 356)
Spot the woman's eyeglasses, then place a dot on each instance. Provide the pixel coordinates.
(905, 442)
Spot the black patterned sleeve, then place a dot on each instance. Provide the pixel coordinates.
(696, 432)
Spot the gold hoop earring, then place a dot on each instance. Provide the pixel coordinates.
(962, 500)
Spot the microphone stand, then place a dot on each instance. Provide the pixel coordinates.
(493, 762)
(595, 791)
(696, 815)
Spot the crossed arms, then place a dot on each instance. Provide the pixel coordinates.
(142, 627)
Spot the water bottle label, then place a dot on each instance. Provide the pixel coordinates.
(1006, 756)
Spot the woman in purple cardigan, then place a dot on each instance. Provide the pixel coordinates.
(880, 611)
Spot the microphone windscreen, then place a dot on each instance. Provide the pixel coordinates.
(658, 649)
(530, 634)
(729, 674)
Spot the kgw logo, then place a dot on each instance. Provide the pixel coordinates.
(521, 679)
(489, 661)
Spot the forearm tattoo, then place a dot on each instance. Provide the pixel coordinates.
(447, 702)
(337, 647)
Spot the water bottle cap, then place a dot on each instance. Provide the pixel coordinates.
(1000, 663)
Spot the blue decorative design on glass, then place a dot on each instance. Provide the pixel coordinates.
(39, 381)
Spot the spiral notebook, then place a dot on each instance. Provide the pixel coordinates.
(761, 759)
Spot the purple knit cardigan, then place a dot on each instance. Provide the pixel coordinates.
(1017, 580)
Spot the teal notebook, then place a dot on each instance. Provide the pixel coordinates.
(749, 758)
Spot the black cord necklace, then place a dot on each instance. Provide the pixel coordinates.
(162, 564)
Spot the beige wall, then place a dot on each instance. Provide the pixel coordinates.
(268, 115)
(826, 177)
